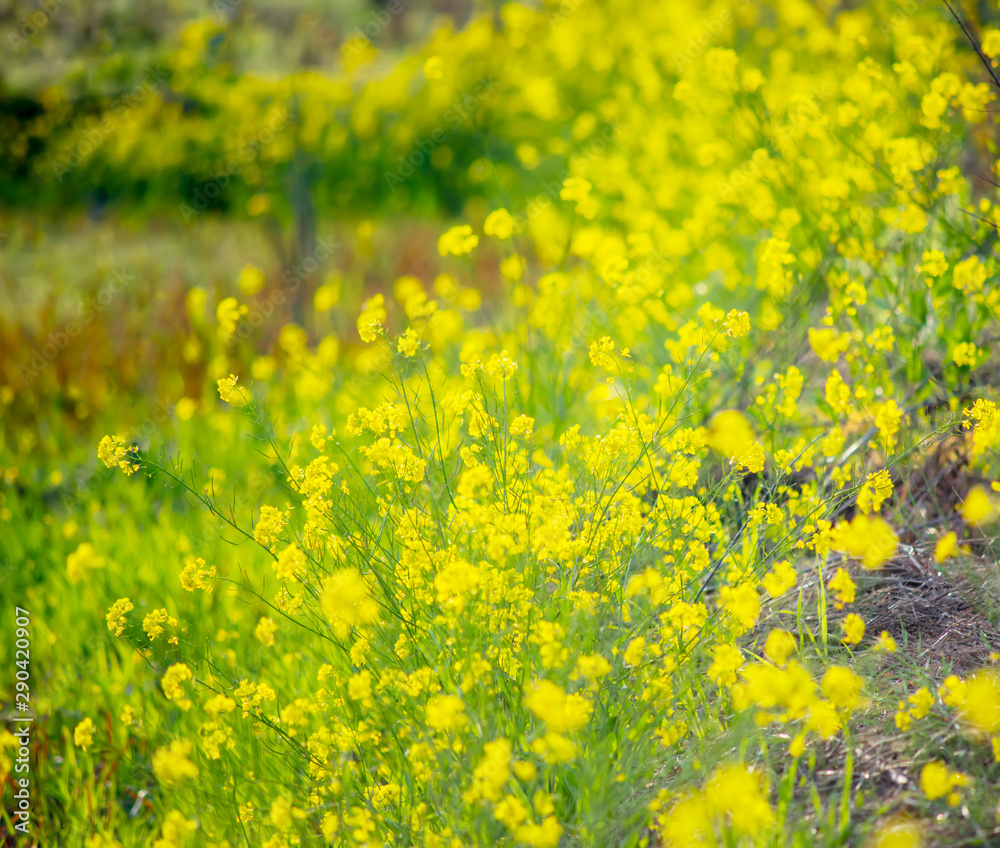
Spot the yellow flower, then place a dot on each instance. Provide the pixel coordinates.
(685, 823)
(977, 507)
(737, 324)
(458, 241)
(933, 106)
(844, 587)
(372, 318)
(172, 684)
(83, 734)
(512, 267)
(768, 686)
(837, 393)
(946, 547)
(219, 704)
(112, 452)
(554, 748)
(991, 43)
(854, 629)
(903, 718)
(742, 603)
(869, 539)
(897, 833)
(543, 835)
(319, 435)
(953, 691)
(981, 706)
(408, 344)
(932, 263)
(730, 434)
(772, 276)
(779, 644)
(357, 51)
(525, 771)
(499, 224)
(575, 188)
(753, 459)
(175, 830)
(493, 771)
(185, 408)
(230, 392)
(726, 661)
(823, 719)
(271, 522)
(602, 354)
(446, 712)
(827, 344)
(228, 314)
(329, 826)
(921, 702)
(876, 489)
(327, 295)
(885, 642)
(81, 562)
(936, 781)
(455, 582)
(969, 275)
(752, 79)
(561, 713)
(116, 615)
(965, 353)
(779, 579)
(196, 575)
(265, 630)
(434, 68)
(289, 562)
(99, 840)
(346, 602)
(251, 279)
(154, 623)
(912, 219)
(841, 687)
(735, 793)
(522, 426)
(282, 815)
(171, 764)
(888, 417)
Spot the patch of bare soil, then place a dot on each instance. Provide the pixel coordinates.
(942, 616)
(944, 620)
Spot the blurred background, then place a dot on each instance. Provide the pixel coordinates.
(223, 147)
(188, 190)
